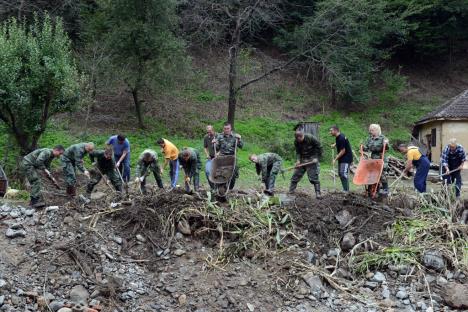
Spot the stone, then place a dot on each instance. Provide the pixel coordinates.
(182, 299)
(117, 240)
(52, 208)
(378, 277)
(79, 294)
(314, 282)
(311, 257)
(348, 241)
(56, 305)
(333, 252)
(385, 293)
(68, 220)
(251, 307)
(65, 310)
(184, 227)
(10, 233)
(456, 295)
(15, 213)
(29, 212)
(371, 285)
(343, 217)
(141, 238)
(171, 289)
(402, 294)
(433, 259)
(2, 300)
(2, 283)
(179, 252)
(98, 195)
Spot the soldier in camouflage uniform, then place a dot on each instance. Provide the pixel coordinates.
(40, 159)
(268, 165)
(375, 144)
(104, 164)
(226, 143)
(71, 159)
(190, 160)
(308, 149)
(148, 160)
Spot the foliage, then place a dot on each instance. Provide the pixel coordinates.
(436, 27)
(38, 78)
(346, 41)
(140, 37)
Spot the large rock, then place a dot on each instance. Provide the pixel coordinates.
(456, 295)
(314, 282)
(98, 195)
(10, 233)
(343, 217)
(433, 259)
(79, 294)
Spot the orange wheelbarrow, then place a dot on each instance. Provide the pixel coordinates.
(368, 173)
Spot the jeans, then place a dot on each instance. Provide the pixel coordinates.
(422, 170)
(124, 167)
(208, 172)
(174, 171)
(343, 172)
(454, 177)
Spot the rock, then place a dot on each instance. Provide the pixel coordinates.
(15, 213)
(65, 310)
(385, 292)
(117, 240)
(184, 227)
(371, 285)
(171, 289)
(5, 208)
(15, 300)
(56, 305)
(314, 282)
(433, 259)
(179, 252)
(441, 281)
(52, 208)
(182, 299)
(311, 257)
(79, 294)
(333, 252)
(456, 295)
(98, 195)
(348, 241)
(251, 307)
(68, 220)
(402, 294)
(343, 217)
(2, 283)
(29, 212)
(10, 233)
(141, 238)
(388, 303)
(2, 300)
(378, 277)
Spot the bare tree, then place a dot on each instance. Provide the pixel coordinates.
(232, 25)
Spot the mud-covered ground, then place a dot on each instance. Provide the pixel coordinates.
(132, 256)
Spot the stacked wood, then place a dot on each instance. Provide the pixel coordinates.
(395, 166)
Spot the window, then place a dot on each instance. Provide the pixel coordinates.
(433, 137)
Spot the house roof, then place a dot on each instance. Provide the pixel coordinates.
(455, 108)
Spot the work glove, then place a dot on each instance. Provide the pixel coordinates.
(47, 172)
(86, 173)
(117, 164)
(238, 136)
(187, 179)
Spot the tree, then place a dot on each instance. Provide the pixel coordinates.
(232, 25)
(345, 40)
(140, 38)
(38, 78)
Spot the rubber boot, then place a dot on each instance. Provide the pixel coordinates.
(71, 191)
(384, 189)
(318, 194)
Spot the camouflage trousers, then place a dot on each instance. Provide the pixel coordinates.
(68, 168)
(313, 172)
(95, 178)
(157, 176)
(34, 180)
(273, 171)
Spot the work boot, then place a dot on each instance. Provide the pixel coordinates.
(36, 203)
(268, 192)
(318, 194)
(71, 191)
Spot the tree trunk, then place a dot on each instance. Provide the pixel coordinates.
(232, 85)
(137, 102)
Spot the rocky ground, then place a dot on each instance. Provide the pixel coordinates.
(160, 253)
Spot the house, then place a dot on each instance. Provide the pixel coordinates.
(448, 121)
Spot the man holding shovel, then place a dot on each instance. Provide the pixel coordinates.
(148, 160)
(344, 156)
(452, 159)
(416, 159)
(104, 165)
(39, 159)
(72, 159)
(190, 161)
(308, 151)
(268, 165)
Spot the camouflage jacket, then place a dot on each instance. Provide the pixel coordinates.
(308, 149)
(264, 161)
(143, 166)
(192, 164)
(375, 146)
(39, 159)
(75, 154)
(226, 144)
(102, 163)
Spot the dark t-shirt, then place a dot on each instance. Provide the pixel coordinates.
(208, 145)
(343, 142)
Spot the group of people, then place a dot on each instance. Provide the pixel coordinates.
(113, 162)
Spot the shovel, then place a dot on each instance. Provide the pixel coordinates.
(300, 165)
(51, 178)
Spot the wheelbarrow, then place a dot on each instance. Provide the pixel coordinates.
(369, 172)
(222, 171)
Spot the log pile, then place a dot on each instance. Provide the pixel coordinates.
(395, 166)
